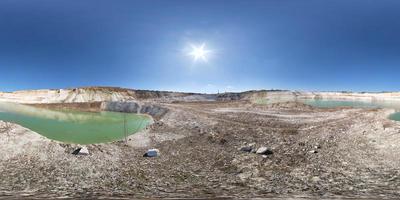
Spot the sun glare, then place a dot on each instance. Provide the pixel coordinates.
(199, 52)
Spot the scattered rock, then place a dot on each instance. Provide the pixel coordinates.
(315, 179)
(152, 153)
(313, 151)
(264, 150)
(222, 141)
(252, 145)
(246, 149)
(159, 123)
(245, 175)
(81, 151)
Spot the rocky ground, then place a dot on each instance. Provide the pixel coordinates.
(207, 150)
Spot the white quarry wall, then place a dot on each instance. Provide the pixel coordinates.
(63, 96)
(371, 97)
(92, 95)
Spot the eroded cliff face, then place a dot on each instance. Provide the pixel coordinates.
(360, 96)
(64, 96)
(79, 95)
(282, 96)
(111, 94)
(260, 96)
(153, 110)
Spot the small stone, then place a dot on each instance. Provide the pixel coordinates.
(315, 179)
(152, 153)
(264, 150)
(222, 141)
(246, 149)
(81, 151)
(313, 151)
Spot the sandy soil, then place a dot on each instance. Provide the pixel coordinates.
(328, 153)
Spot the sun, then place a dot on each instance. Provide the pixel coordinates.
(199, 52)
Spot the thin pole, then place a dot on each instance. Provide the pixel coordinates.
(126, 140)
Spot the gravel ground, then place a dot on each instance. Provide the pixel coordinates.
(321, 153)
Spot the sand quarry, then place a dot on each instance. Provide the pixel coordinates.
(207, 145)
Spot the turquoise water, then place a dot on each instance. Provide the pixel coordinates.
(74, 126)
(395, 116)
(339, 103)
(356, 104)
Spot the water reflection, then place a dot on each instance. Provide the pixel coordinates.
(74, 126)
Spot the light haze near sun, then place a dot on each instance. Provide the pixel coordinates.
(199, 52)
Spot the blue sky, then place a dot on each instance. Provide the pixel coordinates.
(298, 45)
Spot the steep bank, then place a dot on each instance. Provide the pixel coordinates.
(110, 94)
(282, 95)
(87, 94)
(153, 109)
(360, 96)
